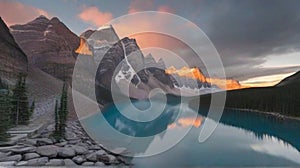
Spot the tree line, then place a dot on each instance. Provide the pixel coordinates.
(15, 107)
(284, 100)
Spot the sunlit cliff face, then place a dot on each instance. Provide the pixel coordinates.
(83, 48)
(195, 73)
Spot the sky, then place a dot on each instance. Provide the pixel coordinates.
(258, 41)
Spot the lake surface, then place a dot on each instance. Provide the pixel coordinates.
(241, 139)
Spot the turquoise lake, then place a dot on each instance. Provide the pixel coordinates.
(242, 138)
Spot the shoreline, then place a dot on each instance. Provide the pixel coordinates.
(274, 114)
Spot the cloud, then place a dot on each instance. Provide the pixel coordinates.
(165, 8)
(94, 16)
(19, 13)
(248, 33)
(139, 5)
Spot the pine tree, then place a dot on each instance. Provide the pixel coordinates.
(21, 111)
(24, 104)
(63, 111)
(5, 113)
(61, 114)
(32, 107)
(57, 133)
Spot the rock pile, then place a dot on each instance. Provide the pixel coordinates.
(42, 150)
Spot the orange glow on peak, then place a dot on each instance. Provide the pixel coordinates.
(83, 48)
(196, 73)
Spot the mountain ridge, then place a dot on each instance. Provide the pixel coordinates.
(295, 78)
(49, 45)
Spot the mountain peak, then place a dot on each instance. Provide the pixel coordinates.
(161, 64)
(105, 27)
(104, 33)
(54, 20)
(42, 17)
(49, 45)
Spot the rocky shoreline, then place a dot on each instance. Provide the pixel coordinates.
(77, 149)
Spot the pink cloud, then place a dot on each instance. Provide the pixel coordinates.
(94, 16)
(140, 5)
(165, 8)
(19, 13)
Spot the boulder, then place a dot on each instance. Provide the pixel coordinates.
(78, 159)
(99, 164)
(100, 152)
(55, 162)
(92, 157)
(74, 141)
(112, 159)
(8, 164)
(36, 162)
(61, 144)
(69, 163)
(44, 141)
(71, 136)
(79, 149)
(66, 152)
(24, 150)
(48, 150)
(32, 142)
(29, 156)
(108, 159)
(88, 164)
(22, 163)
(2, 155)
(11, 158)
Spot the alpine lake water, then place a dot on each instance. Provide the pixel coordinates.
(242, 138)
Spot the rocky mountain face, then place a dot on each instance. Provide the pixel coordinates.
(123, 67)
(49, 45)
(121, 64)
(12, 59)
